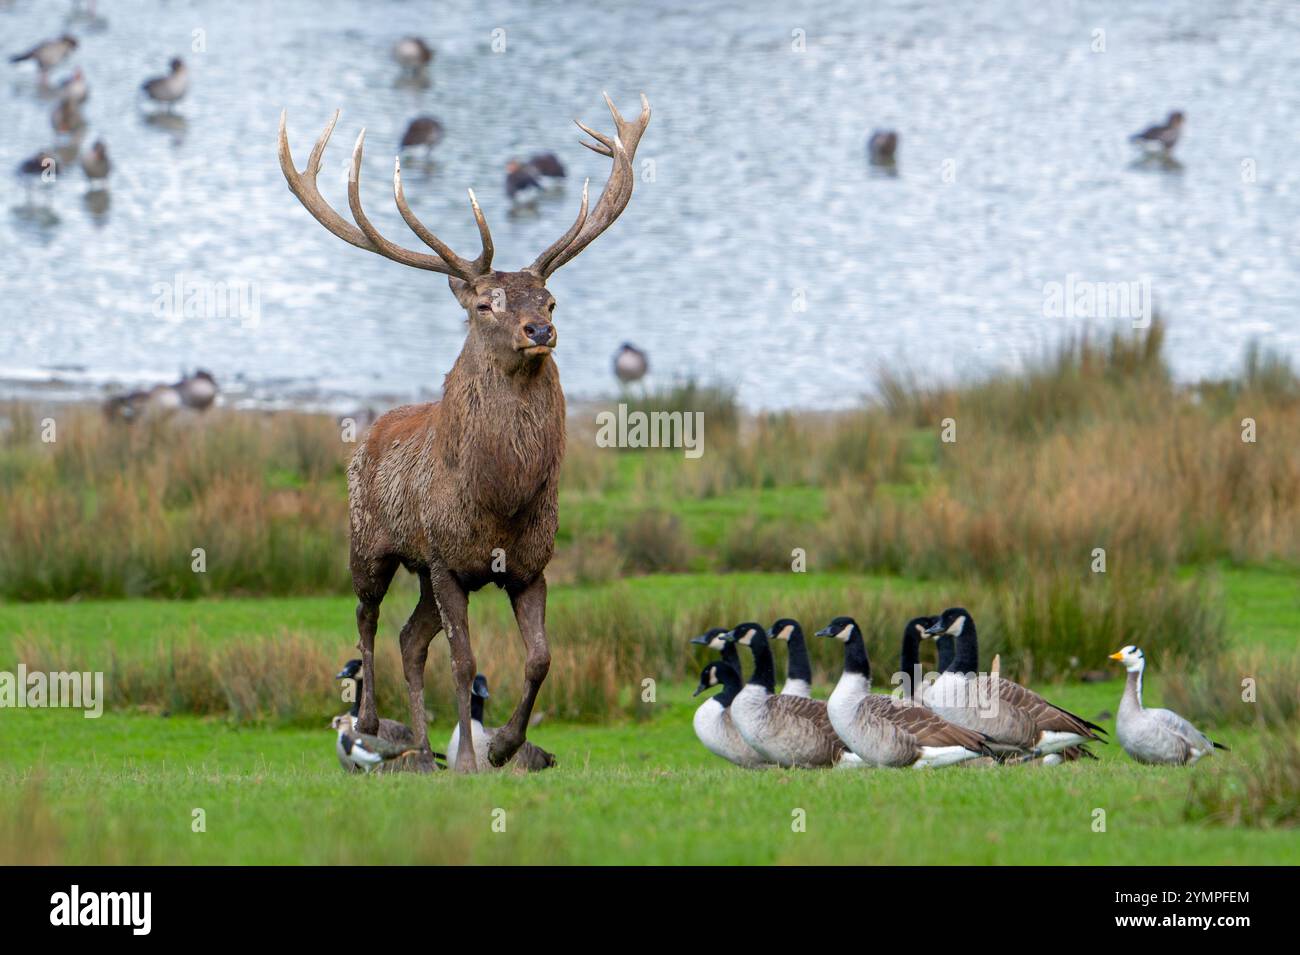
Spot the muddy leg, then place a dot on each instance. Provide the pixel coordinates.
(530, 615)
(370, 580)
(420, 629)
(453, 607)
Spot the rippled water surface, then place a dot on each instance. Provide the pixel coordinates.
(763, 252)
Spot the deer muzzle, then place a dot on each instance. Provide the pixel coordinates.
(540, 337)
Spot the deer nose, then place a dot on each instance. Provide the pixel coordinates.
(539, 332)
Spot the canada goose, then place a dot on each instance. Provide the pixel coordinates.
(522, 185)
(95, 163)
(630, 363)
(198, 391)
(362, 750)
(422, 131)
(1154, 735)
(715, 639)
(882, 730)
(412, 53)
(882, 146)
(170, 88)
(390, 730)
(798, 670)
(713, 724)
(547, 168)
(1016, 720)
(909, 655)
(1162, 137)
(786, 730)
(530, 756)
(48, 53)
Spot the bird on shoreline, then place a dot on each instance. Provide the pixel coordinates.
(630, 364)
(95, 164)
(882, 147)
(412, 54)
(1152, 735)
(1162, 137)
(547, 169)
(523, 188)
(422, 131)
(74, 88)
(170, 88)
(67, 118)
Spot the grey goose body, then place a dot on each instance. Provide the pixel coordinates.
(712, 721)
(1150, 735)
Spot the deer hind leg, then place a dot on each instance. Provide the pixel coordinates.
(530, 615)
(370, 580)
(423, 625)
(453, 607)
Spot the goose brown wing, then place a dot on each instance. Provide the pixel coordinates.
(812, 712)
(1046, 716)
(923, 723)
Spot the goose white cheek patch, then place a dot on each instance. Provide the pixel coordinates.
(844, 634)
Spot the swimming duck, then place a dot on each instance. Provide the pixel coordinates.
(1162, 137)
(882, 730)
(798, 669)
(522, 185)
(170, 88)
(95, 164)
(547, 168)
(882, 146)
(713, 723)
(786, 730)
(1154, 735)
(412, 53)
(1017, 721)
(422, 131)
(530, 756)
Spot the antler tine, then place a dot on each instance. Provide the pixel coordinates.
(466, 270)
(303, 186)
(540, 264)
(617, 192)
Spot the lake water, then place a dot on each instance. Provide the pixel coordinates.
(763, 253)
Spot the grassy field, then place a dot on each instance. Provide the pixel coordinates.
(219, 683)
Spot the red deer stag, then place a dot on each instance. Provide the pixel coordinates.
(464, 491)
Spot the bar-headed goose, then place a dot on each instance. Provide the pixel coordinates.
(786, 730)
(716, 639)
(882, 730)
(713, 723)
(363, 751)
(530, 756)
(1154, 735)
(1016, 720)
(798, 670)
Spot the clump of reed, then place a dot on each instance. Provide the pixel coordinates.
(1262, 792)
(1241, 687)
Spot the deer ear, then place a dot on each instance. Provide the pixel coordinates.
(461, 289)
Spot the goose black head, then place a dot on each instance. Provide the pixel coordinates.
(785, 629)
(841, 628)
(349, 671)
(953, 620)
(710, 677)
(1132, 658)
(480, 687)
(748, 635)
(714, 639)
(917, 626)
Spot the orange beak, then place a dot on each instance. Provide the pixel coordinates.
(1117, 655)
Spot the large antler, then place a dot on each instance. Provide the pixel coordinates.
(303, 185)
(613, 200)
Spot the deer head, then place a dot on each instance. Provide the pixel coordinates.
(511, 319)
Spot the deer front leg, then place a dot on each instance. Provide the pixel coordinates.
(367, 624)
(419, 631)
(453, 606)
(530, 615)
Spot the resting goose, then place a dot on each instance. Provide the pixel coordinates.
(530, 756)
(798, 669)
(716, 639)
(363, 751)
(882, 730)
(1017, 721)
(909, 655)
(786, 730)
(712, 721)
(1154, 735)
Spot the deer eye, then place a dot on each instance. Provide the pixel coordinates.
(485, 306)
(551, 307)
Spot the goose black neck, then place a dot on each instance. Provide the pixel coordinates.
(764, 674)
(967, 659)
(855, 655)
(909, 660)
(946, 652)
(476, 707)
(356, 704)
(731, 656)
(797, 665)
(730, 677)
